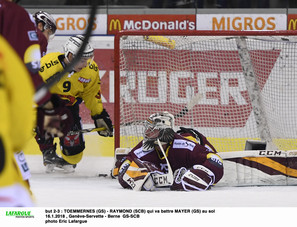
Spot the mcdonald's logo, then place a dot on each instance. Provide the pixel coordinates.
(292, 24)
(115, 24)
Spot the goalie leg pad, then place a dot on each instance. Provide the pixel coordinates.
(149, 184)
(197, 178)
(120, 157)
(135, 175)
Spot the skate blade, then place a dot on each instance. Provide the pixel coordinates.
(65, 168)
(68, 169)
(49, 168)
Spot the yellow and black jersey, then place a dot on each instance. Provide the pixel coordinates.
(84, 84)
(16, 97)
(16, 124)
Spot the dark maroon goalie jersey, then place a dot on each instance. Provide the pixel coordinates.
(182, 152)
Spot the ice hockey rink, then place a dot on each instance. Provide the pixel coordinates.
(270, 206)
(234, 206)
(84, 188)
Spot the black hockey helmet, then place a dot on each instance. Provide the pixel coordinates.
(46, 19)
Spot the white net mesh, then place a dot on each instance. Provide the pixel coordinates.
(163, 74)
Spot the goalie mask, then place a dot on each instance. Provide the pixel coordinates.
(158, 126)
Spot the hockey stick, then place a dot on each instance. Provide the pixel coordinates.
(194, 101)
(163, 180)
(87, 130)
(41, 92)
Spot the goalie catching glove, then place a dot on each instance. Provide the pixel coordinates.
(137, 175)
(197, 178)
(103, 121)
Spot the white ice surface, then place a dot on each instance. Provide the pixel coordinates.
(84, 188)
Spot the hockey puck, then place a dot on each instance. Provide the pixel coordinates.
(102, 175)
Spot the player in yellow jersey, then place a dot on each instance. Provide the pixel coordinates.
(16, 125)
(82, 84)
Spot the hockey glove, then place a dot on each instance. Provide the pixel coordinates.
(137, 175)
(197, 178)
(103, 121)
(120, 157)
(54, 119)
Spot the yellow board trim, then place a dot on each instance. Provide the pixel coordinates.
(104, 146)
(95, 146)
(221, 144)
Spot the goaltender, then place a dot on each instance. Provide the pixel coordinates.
(193, 160)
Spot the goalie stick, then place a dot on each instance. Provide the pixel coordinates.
(163, 180)
(41, 92)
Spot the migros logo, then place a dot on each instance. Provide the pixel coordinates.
(74, 23)
(115, 24)
(292, 25)
(243, 23)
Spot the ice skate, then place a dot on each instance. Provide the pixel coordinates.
(66, 166)
(50, 159)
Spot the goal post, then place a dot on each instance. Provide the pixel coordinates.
(247, 82)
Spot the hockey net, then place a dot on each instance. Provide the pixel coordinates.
(247, 82)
